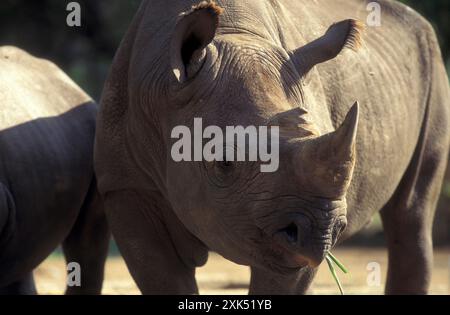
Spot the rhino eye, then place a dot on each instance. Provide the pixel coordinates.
(222, 174)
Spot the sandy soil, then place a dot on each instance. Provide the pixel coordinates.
(220, 276)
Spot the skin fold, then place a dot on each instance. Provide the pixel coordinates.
(363, 119)
(48, 193)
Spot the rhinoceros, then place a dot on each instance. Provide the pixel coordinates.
(48, 193)
(363, 119)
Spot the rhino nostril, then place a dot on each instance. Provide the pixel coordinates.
(291, 232)
(338, 228)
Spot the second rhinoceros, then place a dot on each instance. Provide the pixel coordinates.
(48, 192)
(300, 65)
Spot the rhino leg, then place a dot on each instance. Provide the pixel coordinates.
(148, 248)
(25, 286)
(410, 254)
(408, 217)
(267, 283)
(87, 244)
(408, 231)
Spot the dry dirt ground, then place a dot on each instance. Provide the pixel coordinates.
(220, 276)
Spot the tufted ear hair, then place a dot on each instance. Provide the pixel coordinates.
(344, 34)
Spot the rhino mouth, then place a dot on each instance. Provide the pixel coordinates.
(286, 271)
(291, 250)
(287, 266)
(278, 259)
(291, 259)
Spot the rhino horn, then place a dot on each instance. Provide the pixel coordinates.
(341, 143)
(327, 162)
(195, 29)
(294, 123)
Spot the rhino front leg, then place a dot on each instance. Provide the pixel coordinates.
(149, 251)
(267, 283)
(87, 244)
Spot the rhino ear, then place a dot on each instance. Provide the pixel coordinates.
(194, 31)
(344, 34)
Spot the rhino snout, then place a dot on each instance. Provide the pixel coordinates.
(308, 243)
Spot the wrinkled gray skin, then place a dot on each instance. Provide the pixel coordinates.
(274, 62)
(48, 194)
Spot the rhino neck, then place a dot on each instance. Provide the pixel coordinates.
(146, 151)
(118, 113)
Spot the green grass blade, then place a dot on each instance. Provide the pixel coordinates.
(337, 262)
(333, 272)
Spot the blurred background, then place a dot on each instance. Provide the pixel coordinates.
(86, 52)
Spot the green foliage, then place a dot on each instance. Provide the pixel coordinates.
(331, 260)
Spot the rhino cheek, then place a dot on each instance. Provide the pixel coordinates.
(217, 232)
(183, 194)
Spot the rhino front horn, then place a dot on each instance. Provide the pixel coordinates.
(342, 141)
(326, 163)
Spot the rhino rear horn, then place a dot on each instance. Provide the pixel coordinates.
(194, 31)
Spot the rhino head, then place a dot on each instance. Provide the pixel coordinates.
(282, 220)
